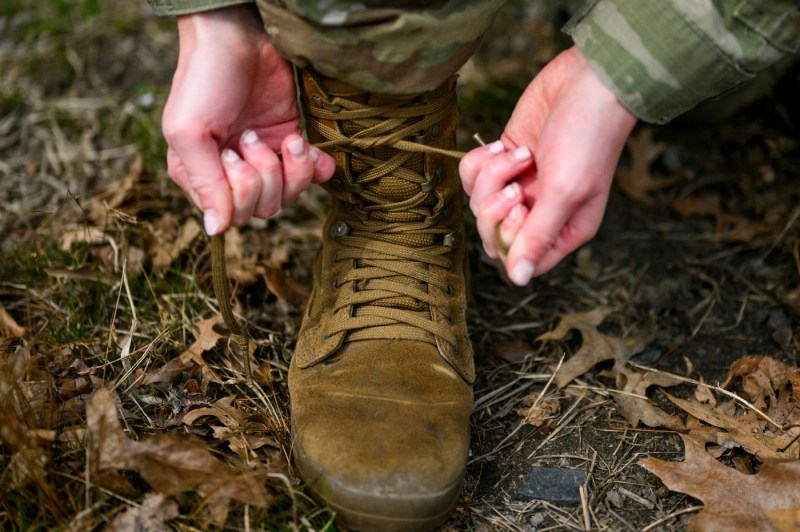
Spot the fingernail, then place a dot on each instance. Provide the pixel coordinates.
(230, 156)
(211, 222)
(512, 191)
(297, 148)
(496, 147)
(521, 154)
(516, 213)
(522, 272)
(313, 154)
(250, 138)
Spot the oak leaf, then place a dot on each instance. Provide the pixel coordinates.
(597, 347)
(768, 500)
(747, 430)
(637, 182)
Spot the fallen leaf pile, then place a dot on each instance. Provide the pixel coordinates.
(170, 463)
(765, 430)
(596, 347)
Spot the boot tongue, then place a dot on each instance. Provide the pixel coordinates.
(391, 189)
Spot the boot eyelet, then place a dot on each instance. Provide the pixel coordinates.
(433, 180)
(317, 99)
(335, 259)
(449, 291)
(449, 265)
(339, 229)
(449, 319)
(452, 240)
(336, 284)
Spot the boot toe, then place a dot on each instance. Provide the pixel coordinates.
(385, 455)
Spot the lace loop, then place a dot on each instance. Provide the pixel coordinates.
(394, 235)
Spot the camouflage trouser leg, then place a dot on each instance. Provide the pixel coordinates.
(407, 49)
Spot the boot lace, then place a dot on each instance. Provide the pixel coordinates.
(394, 235)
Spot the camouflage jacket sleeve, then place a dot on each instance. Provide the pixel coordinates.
(184, 7)
(663, 57)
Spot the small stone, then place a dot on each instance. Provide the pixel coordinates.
(553, 484)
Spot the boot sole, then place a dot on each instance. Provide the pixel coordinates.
(369, 511)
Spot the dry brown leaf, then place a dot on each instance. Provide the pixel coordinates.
(539, 414)
(170, 463)
(8, 327)
(116, 192)
(207, 338)
(768, 500)
(287, 288)
(638, 182)
(153, 515)
(635, 408)
(763, 378)
(748, 430)
(513, 351)
(81, 235)
(191, 358)
(704, 395)
(596, 347)
(169, 244)
(729, 226)
(244, 432)
(29, 445)
(704, 205)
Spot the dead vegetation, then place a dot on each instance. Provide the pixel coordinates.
(121, 407)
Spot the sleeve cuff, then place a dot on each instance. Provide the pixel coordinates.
(187, 7)
(656, 63)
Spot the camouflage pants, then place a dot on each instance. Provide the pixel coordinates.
(412, 46)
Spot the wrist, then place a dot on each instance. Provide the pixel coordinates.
(238, 24)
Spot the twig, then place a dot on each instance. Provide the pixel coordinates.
(634, 497)
(587, 523)
(723, 391)
(666, 518)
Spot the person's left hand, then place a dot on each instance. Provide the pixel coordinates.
(546, 182)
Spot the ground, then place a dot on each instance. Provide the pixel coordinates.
(103, 264)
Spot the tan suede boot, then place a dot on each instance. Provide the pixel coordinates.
(381, 379)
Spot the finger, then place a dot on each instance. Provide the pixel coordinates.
(472, 163)
(245, 186)
(266, 163)
(298, 167)
(324, 165)
(579, 229)
(497, 172)
(493, 211)
(510, 226)
(206, 180)
(539, 233)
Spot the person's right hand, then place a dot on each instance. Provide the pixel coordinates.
(231, 107)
